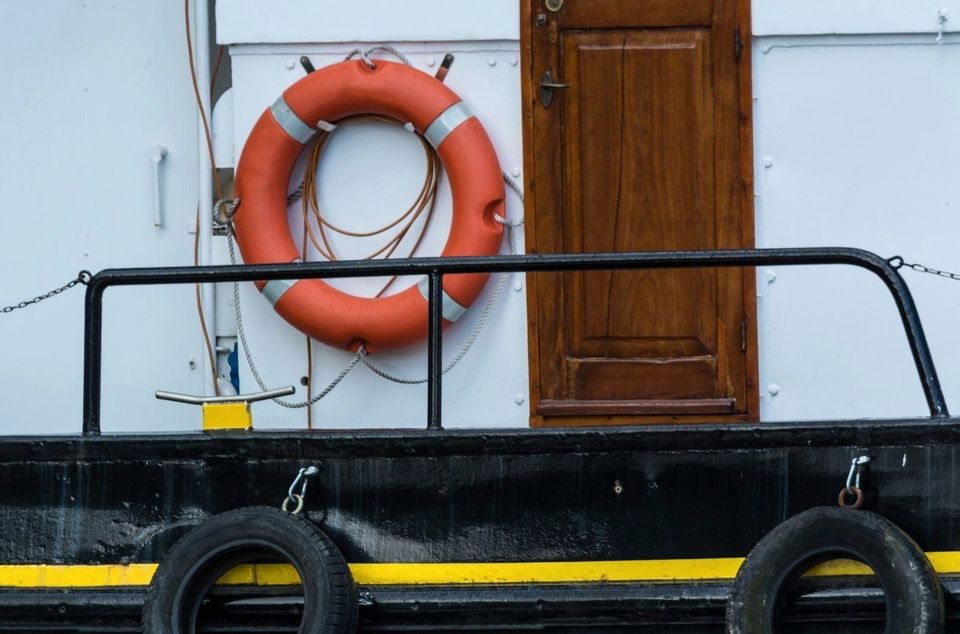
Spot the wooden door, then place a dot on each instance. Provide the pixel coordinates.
(646, 148)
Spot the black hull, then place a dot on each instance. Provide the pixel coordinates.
(641, 494)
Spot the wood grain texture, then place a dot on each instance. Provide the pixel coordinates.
(622, 407)
(641, 152)
(618, 14)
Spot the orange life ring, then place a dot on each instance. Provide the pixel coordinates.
(263, 178)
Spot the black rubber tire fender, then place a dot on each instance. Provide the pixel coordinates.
(243, 535)
(914, 597)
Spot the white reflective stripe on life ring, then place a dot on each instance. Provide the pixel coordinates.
(290, 122)
(451, 310)
(446, 122)
(274, 289)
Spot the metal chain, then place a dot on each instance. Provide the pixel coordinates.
(82, 278)
(898, 262)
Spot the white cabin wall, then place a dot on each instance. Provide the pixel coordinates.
(90, 89)
(369, 174)
(856, 143)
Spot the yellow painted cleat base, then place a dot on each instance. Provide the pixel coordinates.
(223, 416)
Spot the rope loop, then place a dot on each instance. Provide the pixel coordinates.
(383, 48)
(224, 210)
(507, 223)
(364, 57)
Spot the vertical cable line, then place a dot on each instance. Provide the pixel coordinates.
(212, 359)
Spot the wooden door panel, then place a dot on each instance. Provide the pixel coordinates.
(638, 148)
(640, 152)
(632, 379)
(618, 14)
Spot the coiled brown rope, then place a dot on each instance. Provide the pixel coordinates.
(425, 202)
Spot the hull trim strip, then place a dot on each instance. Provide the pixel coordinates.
(374, 574)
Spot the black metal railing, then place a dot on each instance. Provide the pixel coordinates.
(436, 268)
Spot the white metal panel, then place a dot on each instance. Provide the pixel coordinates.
(292, 21)
(222, 131)
(857, 143)
(818, 17)
(369, 173)
(90, 89)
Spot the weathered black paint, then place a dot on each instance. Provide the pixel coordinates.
(616, 607)
(484, 495)
(476, 495)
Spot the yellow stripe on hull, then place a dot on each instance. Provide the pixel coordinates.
(372, 574)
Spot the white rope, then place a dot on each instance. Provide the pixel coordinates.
(512, 184)
(501, 281)
(382, 48)
(363, 57)
(246, 347)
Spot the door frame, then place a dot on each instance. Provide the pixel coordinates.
(742, 41)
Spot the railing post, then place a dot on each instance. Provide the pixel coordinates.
(434, 349)
(92, 355)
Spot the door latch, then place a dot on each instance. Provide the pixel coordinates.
(547, 86)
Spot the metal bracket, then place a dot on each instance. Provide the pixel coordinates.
(157, 155)
(444, 67)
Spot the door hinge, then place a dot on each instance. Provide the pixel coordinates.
(737, 43)
(743, 335)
